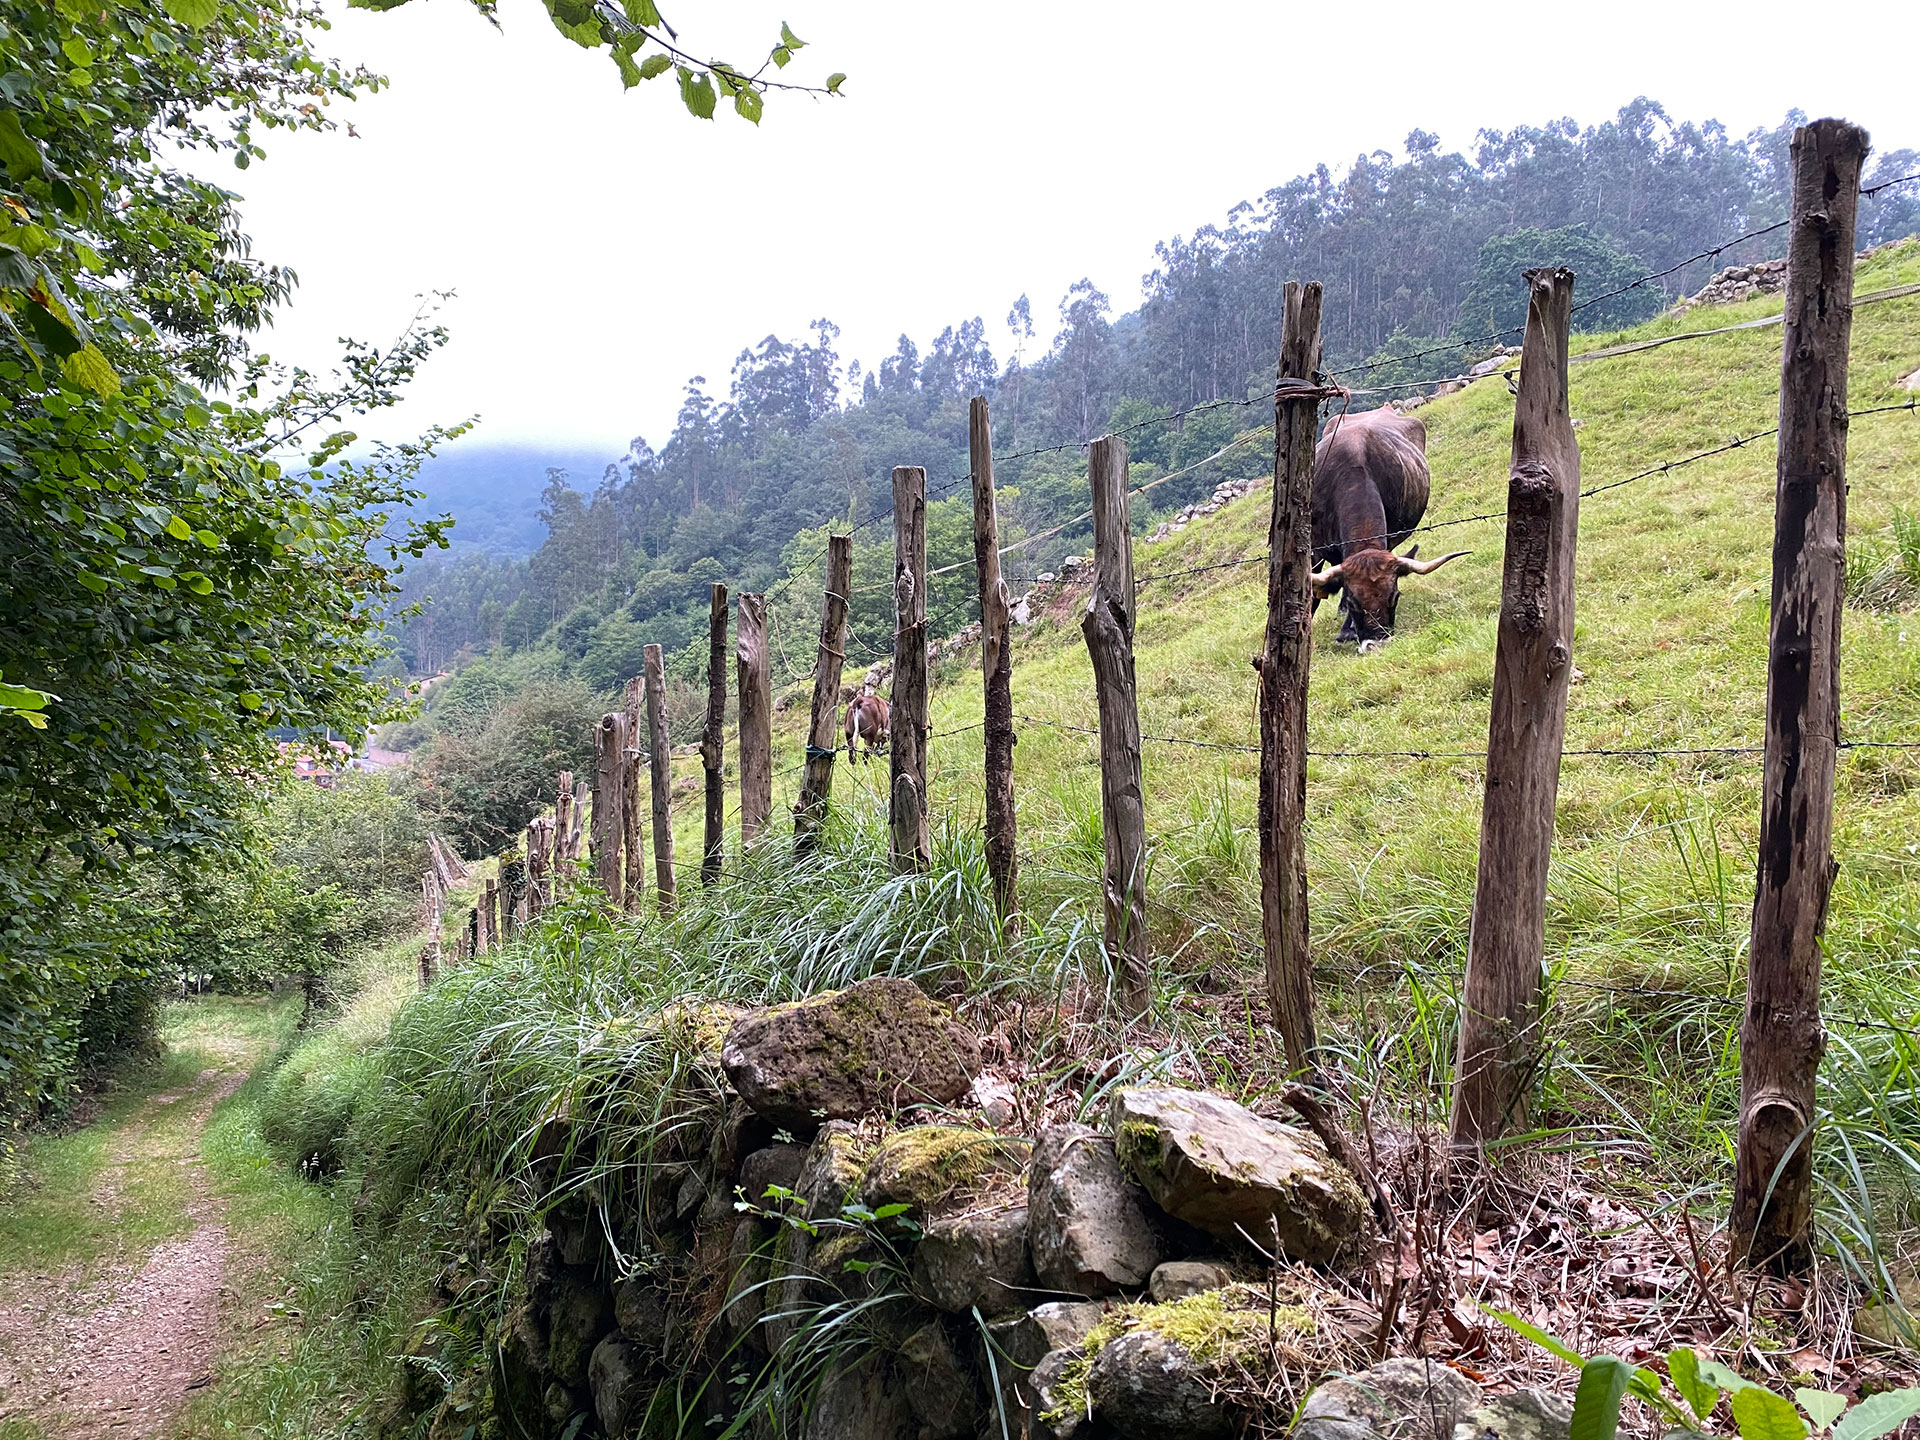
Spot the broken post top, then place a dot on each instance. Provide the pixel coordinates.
(1300, 333)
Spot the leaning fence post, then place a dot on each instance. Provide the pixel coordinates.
(996, 667)
(1781, 1038)
(713, 739)
(907, 732)
(1283, 666)
(660, 756)
(816, 785)
(609, 803)
(633, 803)
(756, 719)
(476, 933)
(1108, 628)
(1500, 1040)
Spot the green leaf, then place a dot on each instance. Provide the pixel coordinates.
(725, 77)
(1763, 1415)
(1877, 1415)
(78, 51)
(1714, 1373)
(696, 93)
(748, 104)
(887, 1212)
(1539, 1337)
(90, 370)
(196, 582)
(655, 65)
(629, 72)
(197, 13)
(835, 81)
(207, 538)
(18, 151)
(23, 697)
(179, 529)
(1823, 1407)
(789, 39)
(782, 57)
(1596, 1399)
(249, 700)
(643, 12)
(1683, 1366)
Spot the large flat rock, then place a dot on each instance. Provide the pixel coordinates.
(878, 1046)
(1237, 1175)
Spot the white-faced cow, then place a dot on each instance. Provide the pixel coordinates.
(1370, 488)
(868, 719)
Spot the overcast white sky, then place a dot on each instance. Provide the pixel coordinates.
(605, 245)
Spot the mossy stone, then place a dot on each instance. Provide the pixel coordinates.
(927, 1166)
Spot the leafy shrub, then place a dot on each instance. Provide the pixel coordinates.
(1496, 302)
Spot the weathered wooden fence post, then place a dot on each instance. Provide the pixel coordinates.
(907, 735)
(660, 758)
(609, 803)
(476, 933)
(1532, 668)
(513, 894)
(1283, 666)
(996, 667)
(1108, 628)
(562, 828)
(816, 785)
(539, 863)
(1781, 1038)
(756, 719)
(633, 802)
(490, 913)
(577, 826)
(713, 740)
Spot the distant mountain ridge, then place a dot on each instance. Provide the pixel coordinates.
(493, 489)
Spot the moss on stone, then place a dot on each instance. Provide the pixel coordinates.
(927, 1165)
(1138, 1145)
(1219, 1329)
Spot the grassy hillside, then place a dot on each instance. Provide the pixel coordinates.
(1652, 875)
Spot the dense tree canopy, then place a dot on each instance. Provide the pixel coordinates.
(1418, 254)
(189, 579)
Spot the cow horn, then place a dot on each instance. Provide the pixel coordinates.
(1411, 566)
(1327, 581)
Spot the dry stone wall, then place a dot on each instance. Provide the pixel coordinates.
(850, 1250)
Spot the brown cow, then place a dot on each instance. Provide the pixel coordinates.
(868, 719)
(1370, 488)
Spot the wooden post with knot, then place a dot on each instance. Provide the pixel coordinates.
(996, 667)
(1108, 629)
(609, 803)
(1781, 1037)
(823, 733)
(1500, 1041)
(907, 731)
(1283, 665)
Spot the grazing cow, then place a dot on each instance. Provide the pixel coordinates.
(1370, 488)
(868, 718)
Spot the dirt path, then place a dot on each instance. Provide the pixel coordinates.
(117, 1352)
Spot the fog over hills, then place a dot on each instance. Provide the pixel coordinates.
(493, 489)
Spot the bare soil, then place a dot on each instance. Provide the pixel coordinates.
(117, 1352)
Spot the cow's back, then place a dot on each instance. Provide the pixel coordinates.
(1370, 476)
